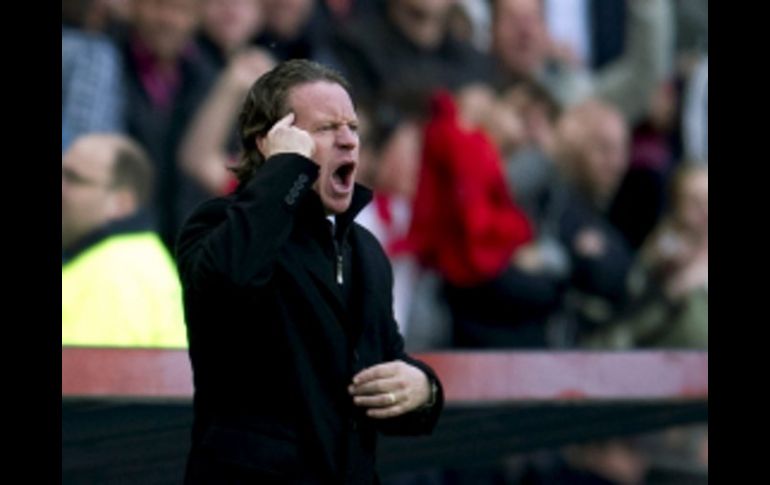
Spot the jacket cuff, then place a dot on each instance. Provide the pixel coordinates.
(291, 174)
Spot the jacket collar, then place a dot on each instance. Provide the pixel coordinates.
(313, 213)
(139, 222)
(316, 253)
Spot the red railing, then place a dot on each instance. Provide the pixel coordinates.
(468, 377)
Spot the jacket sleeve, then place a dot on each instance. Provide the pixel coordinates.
(647, 60)
(422, 420)
(237, 240)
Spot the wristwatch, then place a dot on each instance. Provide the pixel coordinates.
(433, 394)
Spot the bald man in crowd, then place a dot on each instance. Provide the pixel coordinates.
(119, 283)
(591, 158)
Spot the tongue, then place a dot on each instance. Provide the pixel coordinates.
(339, 182)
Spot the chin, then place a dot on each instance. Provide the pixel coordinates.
(336, 206)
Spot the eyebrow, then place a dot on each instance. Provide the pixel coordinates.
(70, 173)
(74, 176)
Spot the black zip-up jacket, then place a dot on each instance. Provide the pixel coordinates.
(274, 341)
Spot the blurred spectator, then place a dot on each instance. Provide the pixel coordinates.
(227, 26)
(210, 145)
(593, 151)
(534, 178)
(459, 23)
(695, 116)
(469, 22)
(524, 50)
(641, 197)
(119, 283)
(669, 284)
(92, 73)
(117, 17)
(589, 31)
(391, 146)
(466, 226)
(118, 10)
(675, 128)
(692, 21)
(293, 29)
(592, 157)
(421, 53)
(691, 79)
(167, 81)
(529, 167)
(86, 15)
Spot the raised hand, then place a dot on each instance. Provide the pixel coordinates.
(284, 137)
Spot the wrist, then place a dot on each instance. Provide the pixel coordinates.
(432, 394)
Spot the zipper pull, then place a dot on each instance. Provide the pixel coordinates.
(339, 269)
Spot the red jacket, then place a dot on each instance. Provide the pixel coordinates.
(464, 223)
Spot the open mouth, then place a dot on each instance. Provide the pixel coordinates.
(343, 176)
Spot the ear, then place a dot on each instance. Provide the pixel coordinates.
(262, 145)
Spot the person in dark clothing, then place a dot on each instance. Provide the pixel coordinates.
(592, 158)
(167, 79)
(228, 27)
(296, 357)
(293, 29)
(421, 56)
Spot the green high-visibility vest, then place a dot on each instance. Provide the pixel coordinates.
(123, 292)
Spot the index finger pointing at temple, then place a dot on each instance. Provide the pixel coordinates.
(286, 121)
(379, 371)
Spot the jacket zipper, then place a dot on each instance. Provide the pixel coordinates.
(338, 253)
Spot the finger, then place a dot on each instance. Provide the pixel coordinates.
(376, 386)
(284, 122)
(379, 371)
(388, 412)
(378, 401)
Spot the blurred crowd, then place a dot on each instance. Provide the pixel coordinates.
(540, 167)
